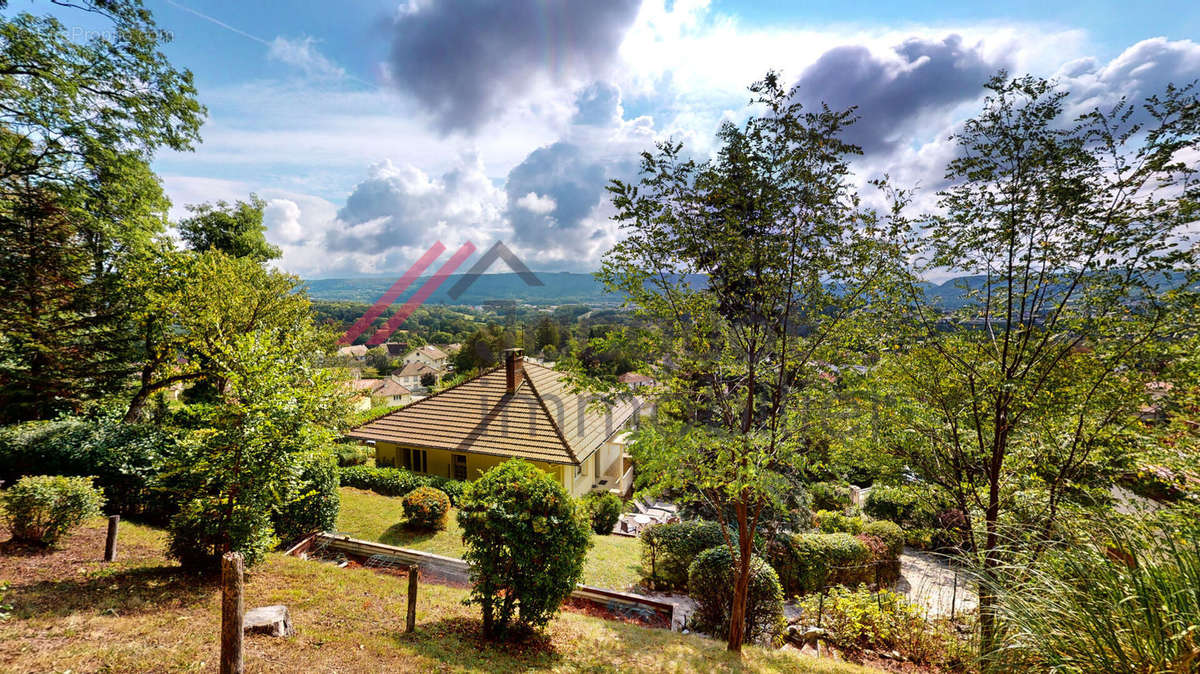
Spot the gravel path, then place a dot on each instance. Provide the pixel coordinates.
(926, 579)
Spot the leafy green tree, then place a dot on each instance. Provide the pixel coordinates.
(1072, 230)
(80, 180)
(68, 107)
(546, 333)
(745, 271)
(195, 306)
(378, 358)
(526, 542)
(277, 405)
(235, 229)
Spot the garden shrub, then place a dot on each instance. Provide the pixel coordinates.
(397, 481)
(835, 522)
(453, 489)
(950, 530)
(351, 455)
(809, 562)
(888, 532)
(194, 535)
(314, 502)
(669, 549)
(711, 580)
(42, 508)
(909, 506)
(858, 619)
(426, 508)
(525, 543)
(603, 509)
(125, 459)
(829, 496)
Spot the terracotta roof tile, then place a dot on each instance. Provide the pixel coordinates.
(541, 421)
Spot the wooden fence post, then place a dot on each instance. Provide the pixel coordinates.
(110, 543)
(232, 613)
(411, 622)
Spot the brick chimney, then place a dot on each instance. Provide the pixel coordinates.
(514, 368)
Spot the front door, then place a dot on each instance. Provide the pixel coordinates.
(460, 466)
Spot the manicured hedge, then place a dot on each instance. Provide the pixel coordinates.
(125, 459)
(890, 533)
(603, 509)
(711, 579)
(835, 522)
(808, 562)
(398, 481)
(669, 549)
(909, 506)
(829, 496)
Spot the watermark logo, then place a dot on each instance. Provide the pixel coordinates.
(497, 252)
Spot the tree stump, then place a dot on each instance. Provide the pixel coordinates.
(273, 621)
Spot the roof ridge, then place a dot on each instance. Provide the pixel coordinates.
(428, 397)
(550, 417)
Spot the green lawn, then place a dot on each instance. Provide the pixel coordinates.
(72, 612)
(614, 562)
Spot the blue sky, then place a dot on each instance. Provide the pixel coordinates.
(375, 128)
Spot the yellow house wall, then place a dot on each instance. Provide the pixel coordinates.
(439, 462)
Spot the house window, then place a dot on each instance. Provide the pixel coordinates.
(597, 461)
(578, 469)
(416, 460)
(460, 467)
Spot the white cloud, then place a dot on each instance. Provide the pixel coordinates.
(535, 203)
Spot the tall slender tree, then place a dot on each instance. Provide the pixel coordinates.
(1075, 234)
(747, 271)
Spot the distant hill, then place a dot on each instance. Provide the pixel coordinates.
(557, 288)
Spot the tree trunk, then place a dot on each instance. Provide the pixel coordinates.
(737, 615)
(991, 560)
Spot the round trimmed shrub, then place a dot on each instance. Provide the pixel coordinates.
(829, 496)
(426, 508)
(836, 522)
(604, 509)
(315, 499)
(809, 562)
(525, 543)
(42, 508)
(195, 538)
(888, 532)
(908, 506)
(711, 580)
(669, 549)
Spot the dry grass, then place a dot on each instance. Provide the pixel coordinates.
(142, 614)
(613, 562)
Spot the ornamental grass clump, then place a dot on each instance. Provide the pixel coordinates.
(1129, 601)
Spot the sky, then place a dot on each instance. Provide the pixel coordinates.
(374, 129)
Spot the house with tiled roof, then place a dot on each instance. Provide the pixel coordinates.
(519, 409)
(410, 375)
(387, 389)
(430, 356)
(635, 380)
